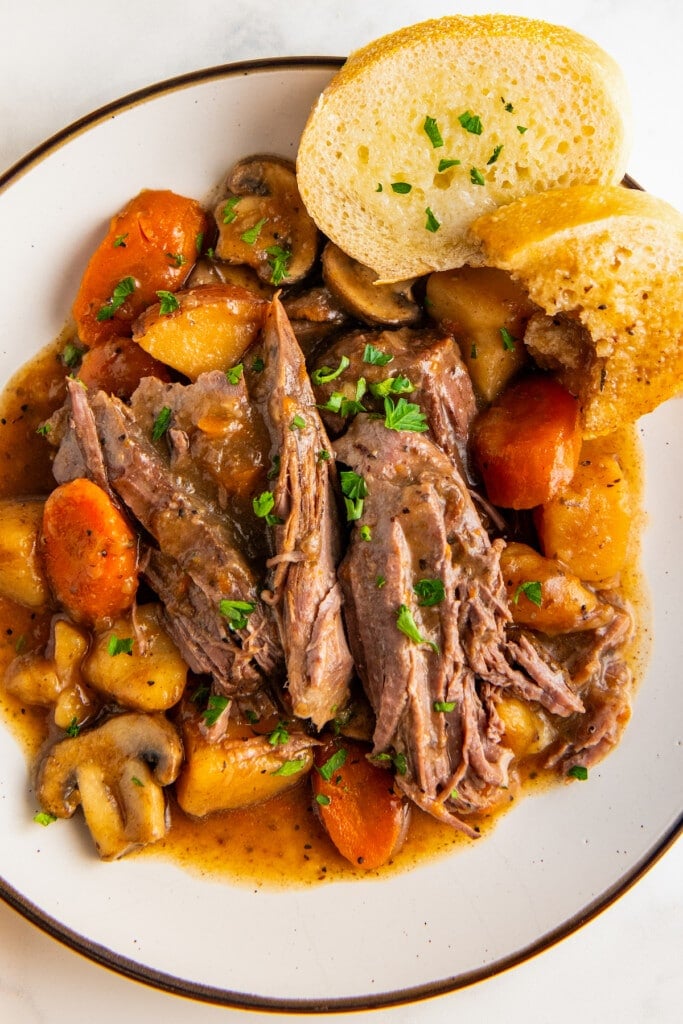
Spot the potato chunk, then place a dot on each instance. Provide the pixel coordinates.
(210, 328)
(527, 731)
(479, 305)
(22, 578)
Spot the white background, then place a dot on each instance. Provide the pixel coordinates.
(59, 61)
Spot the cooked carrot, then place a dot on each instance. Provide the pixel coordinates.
(362, 813)
(526, 445)
(151, 246)
(89, 550)
(118, 365)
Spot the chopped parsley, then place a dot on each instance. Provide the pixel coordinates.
(251, 234)
(532, 590)
(398, 761)
(258, 366)
(521, 129)
(471, 122)
(215, 707)
(508, 340)
(380, 581)
(375, 356)
(263, 508)
(275, 468)
(444, 706)
(20, 645)
(473, 351)
(178, 259)
(44, 429)
(43, 818)
(251, 716)
(365, 533)
(298, 423)
(392, 386)
(431, 224)
(494, 156)
(236, 612)
(402, 188)
(323, 800)
(290, 767)
(278, 260)
(578, 771)
(445, 164)
(73, 728)
(229, 211)
(325, 374)
(476, 177)
(168, 303)
(430, 592)
(323, 455)
(121, 292)
(431, 129)
(234, 374)
(333, 764)
(507, 106)
(279, 735)
(119, 645)
(407, 625)
(402, 415)
(199, 242)
(354, 490)
(161, 423)
(136, 781)
(72, 354)
(120, 241)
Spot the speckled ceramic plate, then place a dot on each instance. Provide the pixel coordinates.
(546, 869)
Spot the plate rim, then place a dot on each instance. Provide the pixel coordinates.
(161, 980)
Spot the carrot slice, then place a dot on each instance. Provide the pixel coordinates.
(89, 551)
(151, 246)
(362, 813)
(527, 444)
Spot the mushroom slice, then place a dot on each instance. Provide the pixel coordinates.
(262, 221)
(354, 286)
(116, 773)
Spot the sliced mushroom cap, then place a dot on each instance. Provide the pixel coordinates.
(116, 772)
(262, 221)
(353, 284)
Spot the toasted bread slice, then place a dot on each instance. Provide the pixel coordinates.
(471, 113)
(606, 265)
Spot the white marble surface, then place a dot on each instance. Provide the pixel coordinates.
(58, 61)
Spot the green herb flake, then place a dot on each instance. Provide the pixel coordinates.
(476, 177)
(278, 261)
(120, 241)
(323, 800)
(431, 129)
(325, 374)
(508, 340)
(473, 351)
(210, 253)
(161, 423)
(121, 292)
(290, 767)
(521, 129)
(578, 771)
(323, 455)
(279, 735)
(402, 415)
(44, 429)
(380, 581)
(229, 210)
(392, 386)
(375, 356)
(20, 645)
(258, 366)
(400, 763)
(431, 224)
(168, 303)
(236, 612)
(532, 590)
(251, 234)
(507, 106)
(119, 645)
(444, 706)
(263, 505)
(73, 728)
(215, 707)
(494, 156)
(354, 490)
(199, 242)
(200, 694)
(234, 374)
(430, 592)
(298, 423)
(72, 355)
(402, 188)
(275, 468)
(136, 781)
(365, 533)
(333, 764)
(471, 122)
(43, 818)
(444, 165)
(407, 625)
(380, 187)
(178, 259)
(251, 716)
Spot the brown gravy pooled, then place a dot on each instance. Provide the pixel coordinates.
(279, 843)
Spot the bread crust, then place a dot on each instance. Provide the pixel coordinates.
(366, 132)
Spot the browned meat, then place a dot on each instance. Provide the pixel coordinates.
(304, 591)
(431, 672)
(428, 359)
(202, 565)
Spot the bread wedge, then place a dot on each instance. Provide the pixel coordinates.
(606, 265)
(517, 106)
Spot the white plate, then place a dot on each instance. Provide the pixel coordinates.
(548, 867)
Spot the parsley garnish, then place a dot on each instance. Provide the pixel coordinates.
(167, 302)
(136, 781)
(199, 242)
(508, 340)
(327, 770)
(431, 224)
(43, 818)
(507, 106)
(365, 533)
(73, 728)
(229, 212)
(20, 645)
(578, 771)
(236, 612)
(445, 164)
(476, 177)
(121, 292)
(402, 188)
(279, 735)
(326, 373)
(275, 468)
(298, 423)
(430, 592)
(431, 129)
(72, 355)
(234, 374)
(392, 386)
(532, 590)
(120, 241)
(258, 366)
(494, 156)
(521, 129)
(375, 356)
(404, 415)
(290, 767)
(407, 625)
(44, 429)
(397, 760)
(471, 122)
(380, 581)
(251, 234)
(354, 490)
(323, 800)
(178, 259)
(263, 506)
(279, 262)
(161, 423)
(473, 351)
(200, 693)
(444, 705)
(251, 716)
(323, 455)
(119, 645)
(215, 707)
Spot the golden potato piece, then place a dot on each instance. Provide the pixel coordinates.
(21, 573)
(527, 731)
(209, 327)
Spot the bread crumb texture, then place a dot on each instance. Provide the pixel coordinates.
(520, 107)
(611, 260)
